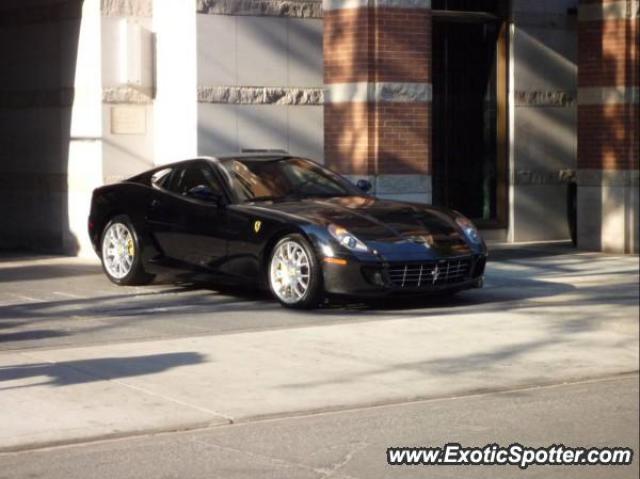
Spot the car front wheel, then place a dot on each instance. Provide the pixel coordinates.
(295, 278)
(121, 253)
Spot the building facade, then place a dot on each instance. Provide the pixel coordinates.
(521, 114)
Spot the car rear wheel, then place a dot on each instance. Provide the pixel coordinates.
(121, 253)
(294, 274)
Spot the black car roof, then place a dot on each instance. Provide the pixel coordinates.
(267, 155)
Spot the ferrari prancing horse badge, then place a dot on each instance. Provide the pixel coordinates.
(257, 225)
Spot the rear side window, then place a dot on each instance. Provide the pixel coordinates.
(191, 176)
(160, 179)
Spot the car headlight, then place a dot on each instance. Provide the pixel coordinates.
(346, 239)
(469, 229)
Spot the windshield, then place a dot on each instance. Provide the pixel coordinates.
(284, 178)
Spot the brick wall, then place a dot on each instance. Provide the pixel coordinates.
(346, 45)
(608, 73)
(608, 136)
(367, 133)
(608, 125)
(347, 144)
(369, 139)
(404, 138)
(377, 44)
(605, 51)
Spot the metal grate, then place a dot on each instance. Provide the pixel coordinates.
(426, 275)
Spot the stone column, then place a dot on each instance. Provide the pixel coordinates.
(377, 114)
(175, 108)
(608, 123)
(50, 122)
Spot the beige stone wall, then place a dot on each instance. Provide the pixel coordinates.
(544, 130)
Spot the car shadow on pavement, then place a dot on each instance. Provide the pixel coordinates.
(65, 373)
(48, 271)
(166, 309)
(211, 298)
(30, 335)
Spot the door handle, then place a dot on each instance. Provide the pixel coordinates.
(155, 203)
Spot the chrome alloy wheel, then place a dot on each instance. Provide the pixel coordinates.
(118, 250)
(290, 272)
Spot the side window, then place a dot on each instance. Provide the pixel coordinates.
(191, 176)
(160, 179)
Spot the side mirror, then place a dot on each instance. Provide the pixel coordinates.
(204, 193)
(364, 185)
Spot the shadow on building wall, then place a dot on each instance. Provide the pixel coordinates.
(545, 127)
(38, 47)
(265, 52)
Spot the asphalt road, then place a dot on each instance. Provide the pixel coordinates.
(352, 444)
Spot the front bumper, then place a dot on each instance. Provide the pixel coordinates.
(359, 278)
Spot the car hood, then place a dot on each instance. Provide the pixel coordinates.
(383, 224)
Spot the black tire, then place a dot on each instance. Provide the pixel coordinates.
(136, 274)
(315, 290)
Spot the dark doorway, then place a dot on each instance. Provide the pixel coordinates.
(469, 109)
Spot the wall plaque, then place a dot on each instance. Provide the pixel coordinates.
(128, 120)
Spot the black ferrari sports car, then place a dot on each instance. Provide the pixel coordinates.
(283, 223)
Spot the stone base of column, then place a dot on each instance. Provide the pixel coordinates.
(608, 210)
(412, 188)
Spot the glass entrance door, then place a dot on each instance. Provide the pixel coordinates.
(469, 110)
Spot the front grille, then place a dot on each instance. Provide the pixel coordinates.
(429, 275)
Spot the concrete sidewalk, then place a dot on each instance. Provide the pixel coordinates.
(589, 329)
